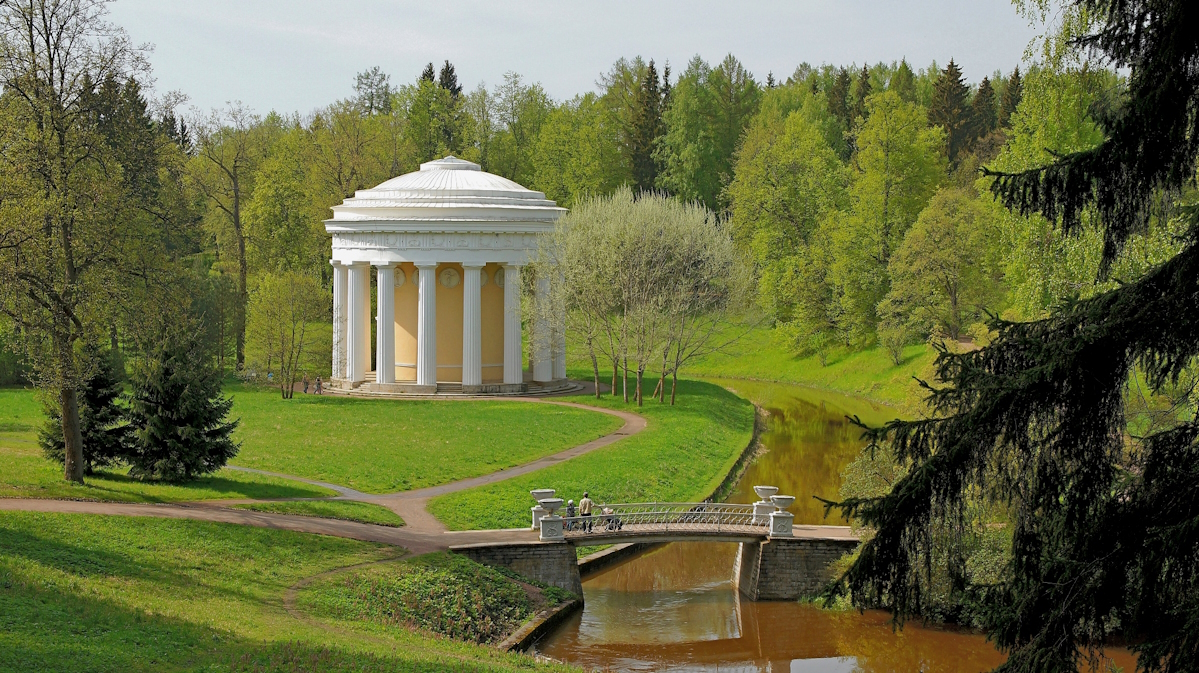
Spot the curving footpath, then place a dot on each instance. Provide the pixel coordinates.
(421, 534)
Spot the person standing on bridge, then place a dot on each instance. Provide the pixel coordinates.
(585, 506)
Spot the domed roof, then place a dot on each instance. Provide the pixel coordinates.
(445, 191)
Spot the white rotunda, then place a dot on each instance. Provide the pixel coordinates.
(448, 243)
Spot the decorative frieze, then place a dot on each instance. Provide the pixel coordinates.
(434, 241)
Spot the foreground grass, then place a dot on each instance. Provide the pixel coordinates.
(683, 454)
(344, 510)
(379, 446)
(85, 593)
(442, 593)
(869, 373)
(25, 473)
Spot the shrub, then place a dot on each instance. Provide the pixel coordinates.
(102, 420)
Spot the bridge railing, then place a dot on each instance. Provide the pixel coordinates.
(665, 517)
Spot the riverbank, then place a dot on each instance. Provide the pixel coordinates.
(869, 374)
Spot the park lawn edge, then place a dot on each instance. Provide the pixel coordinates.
(327, 509)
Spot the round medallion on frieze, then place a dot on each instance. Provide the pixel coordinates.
(400, 279)
(484, 277)
(450, 278)
(499, 277)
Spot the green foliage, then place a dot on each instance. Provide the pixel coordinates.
(345, 510)
(577, 154)
(681, 456)
(280, 327)
(950, 109)
(283, 217)
(101, 417)
(443, 593)
(177, 413)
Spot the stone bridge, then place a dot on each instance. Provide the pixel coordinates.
(775, 560)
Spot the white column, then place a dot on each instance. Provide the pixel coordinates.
(357, 322)
(472, 325)
(543, 363)
(559, 332)
(339, 320)
(385, 325)
(426, 325)
(513, 372)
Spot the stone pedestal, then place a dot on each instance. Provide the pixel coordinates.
(762, 512)
(551, 528)
(780, 524)
(538, 513)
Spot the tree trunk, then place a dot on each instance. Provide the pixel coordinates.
(71, 435)
(243, 296)
(640, 374)
(674, 384)
(615, 374)
(594, 368)
(624, 384)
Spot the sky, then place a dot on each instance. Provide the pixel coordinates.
(299, 55)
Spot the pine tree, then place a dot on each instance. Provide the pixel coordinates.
(448, 80)
(177, 413)
(1012, 93)
(101, 417)
(982, 110)
(428, 74)
(770, 83)
(1102, 514)
(950, 110)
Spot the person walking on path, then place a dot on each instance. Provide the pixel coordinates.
(318, 386)
(305, 384)
(585, 506)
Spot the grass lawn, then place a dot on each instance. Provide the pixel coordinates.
(83, 593)
(869, 373)
(379, 446)
(24, 473)
(682, 455)
(332, 509)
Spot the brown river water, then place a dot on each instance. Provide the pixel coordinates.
(675, 609)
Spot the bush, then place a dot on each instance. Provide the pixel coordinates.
(177, 412)
(102, 420)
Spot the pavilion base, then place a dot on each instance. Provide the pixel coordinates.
(409, 389)
(400, 388)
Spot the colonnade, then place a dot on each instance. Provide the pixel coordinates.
(352, 329)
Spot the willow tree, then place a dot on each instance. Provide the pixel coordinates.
(1104, 520)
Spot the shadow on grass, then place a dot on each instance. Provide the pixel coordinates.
(221, 485)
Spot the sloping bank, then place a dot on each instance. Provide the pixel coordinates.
(684, 454)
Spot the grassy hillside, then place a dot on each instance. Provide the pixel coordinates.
(683, 454)
(869, 373)
(84, 594)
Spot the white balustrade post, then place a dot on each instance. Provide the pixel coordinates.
(426, 325)
(357, 323)
(543, 363)
(339, 319)
(472, 325)
(385, 327)
(513, 372)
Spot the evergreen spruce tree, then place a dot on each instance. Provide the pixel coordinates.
(428, 74)
(645, 128)
(176, 411)
(1012, 93)
(838, 97)
(101, 417)
(903, 82)
(1103, 518)
(448, 80)
(950, 109)
(861, 91)
(982, 109)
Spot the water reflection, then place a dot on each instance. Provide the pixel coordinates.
(675, 609)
